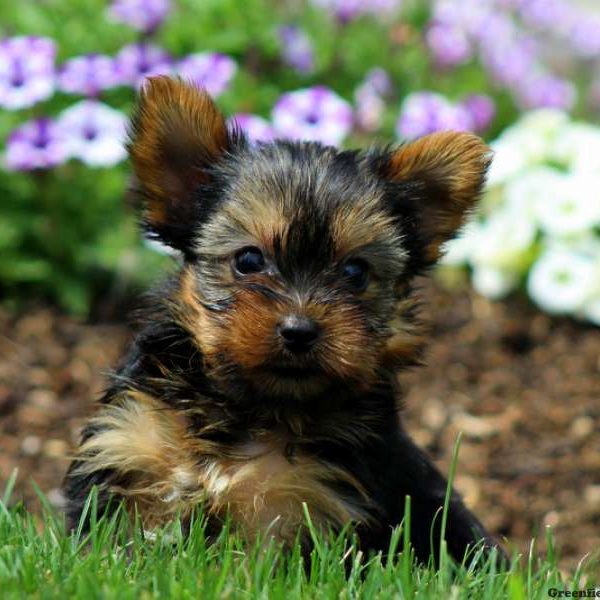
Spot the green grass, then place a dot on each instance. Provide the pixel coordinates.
(116, 560)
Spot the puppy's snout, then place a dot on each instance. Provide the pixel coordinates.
(298, 333)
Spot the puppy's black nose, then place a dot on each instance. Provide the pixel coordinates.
(299, 334)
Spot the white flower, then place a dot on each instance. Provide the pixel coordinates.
(544, 192)
(591, 310)
(493, 283)
(531, 144)
(95, 133)
(578, 147)
(457, 251)
(560, 282)
(522, 193)
(503, 241)
(570, 206)
(587, 243)
(509, 160)
(544, 122)
(525, 143)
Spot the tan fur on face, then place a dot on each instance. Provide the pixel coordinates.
(162, 471)
(348, 351)
(250, 329)
(260, 218)
(359, 224)
(192, 316)
(452, 166)
(256, 221)
(406, 340)
(364, 230)
(175, 134)
(246, 334)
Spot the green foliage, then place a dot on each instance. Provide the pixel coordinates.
(117, 559)
(67, 235)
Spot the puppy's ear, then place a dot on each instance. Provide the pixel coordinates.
(439, 180)
(176, 135)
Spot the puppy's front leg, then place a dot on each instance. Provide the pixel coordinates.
(420, 479)
(136, 449)
(77, 488)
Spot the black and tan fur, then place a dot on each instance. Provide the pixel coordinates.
(209, 408)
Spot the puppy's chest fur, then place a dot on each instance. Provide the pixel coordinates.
(264, 483)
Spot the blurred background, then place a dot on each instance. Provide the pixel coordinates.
(514, 361)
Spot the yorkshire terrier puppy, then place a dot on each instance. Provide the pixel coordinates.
(265, 375)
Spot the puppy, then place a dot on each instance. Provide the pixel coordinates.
(265, 375)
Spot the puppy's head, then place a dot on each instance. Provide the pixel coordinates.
(298, 257)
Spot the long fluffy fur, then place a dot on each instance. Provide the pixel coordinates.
(209, 408)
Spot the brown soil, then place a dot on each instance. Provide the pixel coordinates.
(523, 388)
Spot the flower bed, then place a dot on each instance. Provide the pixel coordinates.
(336, 71)
(539, 223)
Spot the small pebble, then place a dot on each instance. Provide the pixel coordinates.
(42, 398)
(55, 448)
(551, 519)
(582, 427)
(56, 498)
(591, 495)
(31, 445)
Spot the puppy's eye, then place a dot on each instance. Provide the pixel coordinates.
(249, 260)
(356, 273)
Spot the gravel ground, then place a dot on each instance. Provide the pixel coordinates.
(523, 388)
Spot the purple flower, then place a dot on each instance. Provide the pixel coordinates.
(297, 49)
(135, 62)
(513, 57)
(482, 110)
(369, 101)
(369, 108)
(508, 4)
(143, 15)
(547, 91)
(585, 36)
(553, 15)
(94, 133)
(425, 112)
(88, 75)
(467, 16)
(347, 10)
(209, 70)
(26, 71)
(344, 10)
(449, 45)
(316, 113)
(494, 29)
(511, 62)
(256, 128)
(379, 81)
(38, 144)
(382, 8)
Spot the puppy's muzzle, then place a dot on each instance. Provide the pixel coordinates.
(298, 333)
